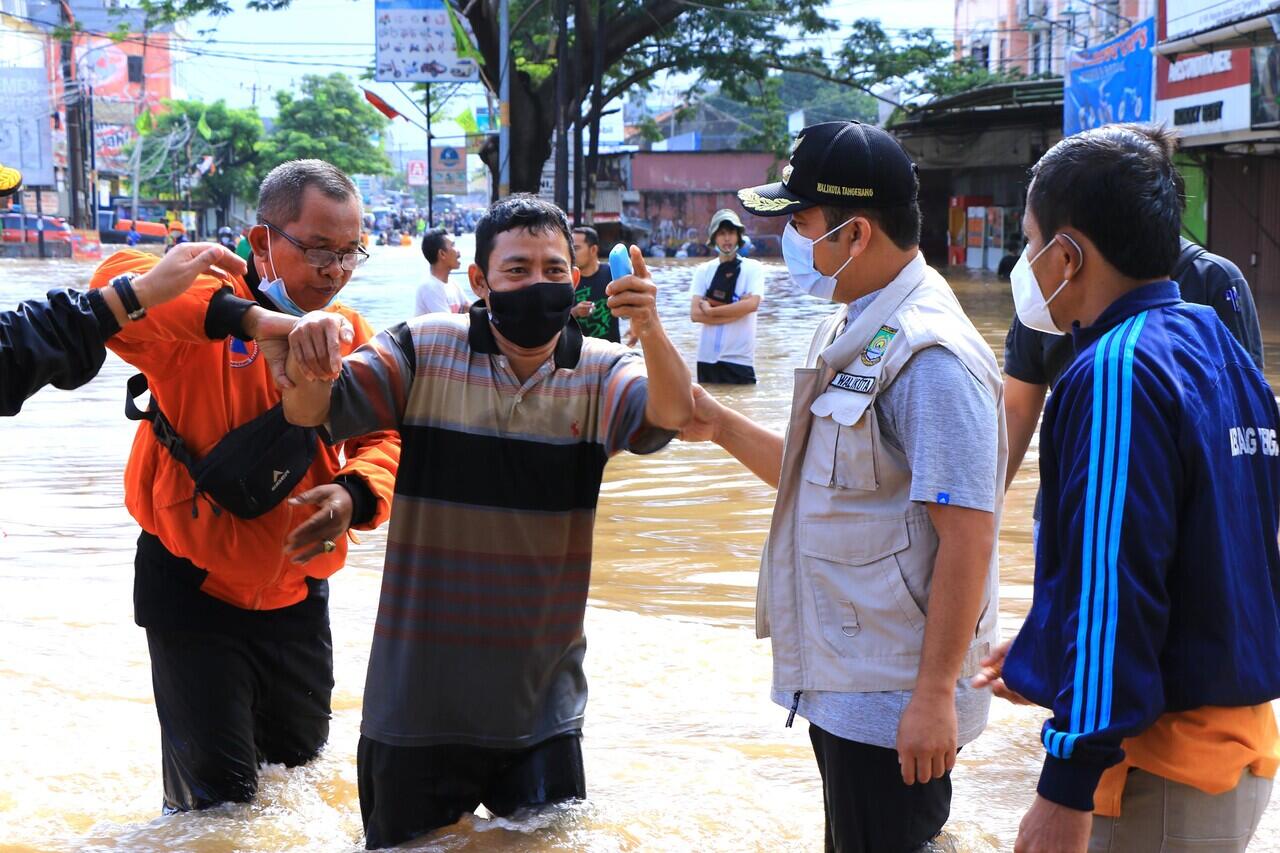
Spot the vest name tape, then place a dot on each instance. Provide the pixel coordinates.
(854, 382)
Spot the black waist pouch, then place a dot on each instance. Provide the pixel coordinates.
(251, 470)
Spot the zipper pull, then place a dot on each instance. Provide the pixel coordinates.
(795, 703)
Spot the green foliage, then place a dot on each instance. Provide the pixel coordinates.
(174, 147)
(915, 62)
(328, 120)
(952, 78)
(650, 131)
(765, 106)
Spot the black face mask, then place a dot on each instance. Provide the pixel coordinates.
(531, 316)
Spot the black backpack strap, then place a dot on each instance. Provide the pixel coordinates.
(1186, 258)
(162, 428)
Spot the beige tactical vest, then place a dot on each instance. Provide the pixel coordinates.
(846, 571)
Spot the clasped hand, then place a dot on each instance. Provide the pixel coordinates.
(316, 343)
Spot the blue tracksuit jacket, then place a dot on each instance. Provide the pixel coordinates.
(1157, 573)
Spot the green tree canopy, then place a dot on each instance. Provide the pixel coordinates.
(175, 149)
(738, 44)
(915, 62)
(327, 120)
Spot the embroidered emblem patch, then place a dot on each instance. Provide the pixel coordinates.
(944, 498)
(879, 343)
(854, 382)
(242, 354)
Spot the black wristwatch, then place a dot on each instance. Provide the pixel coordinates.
(123, 286)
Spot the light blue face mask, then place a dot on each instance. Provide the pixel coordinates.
(276, 292)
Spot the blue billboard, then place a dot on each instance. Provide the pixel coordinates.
(1112, 82)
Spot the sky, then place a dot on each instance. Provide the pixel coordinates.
(248, 56)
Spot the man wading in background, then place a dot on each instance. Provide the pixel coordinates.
(879, 580)
(725, 295)
(592, 309)
(438, 294)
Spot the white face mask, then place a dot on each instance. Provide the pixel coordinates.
(797, 251)
(1028, 299)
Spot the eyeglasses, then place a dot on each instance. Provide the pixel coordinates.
(321, 258)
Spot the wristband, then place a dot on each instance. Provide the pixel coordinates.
(123, 286)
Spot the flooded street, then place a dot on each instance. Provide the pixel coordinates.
(684, 751)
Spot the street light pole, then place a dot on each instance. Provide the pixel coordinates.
(431, 203)
(504, 96)
(562, 88)
(597, 104)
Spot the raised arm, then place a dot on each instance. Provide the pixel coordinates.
(634, 297)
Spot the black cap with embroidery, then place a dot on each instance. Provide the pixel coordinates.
(840, 164)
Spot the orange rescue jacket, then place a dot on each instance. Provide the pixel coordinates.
(207, 388)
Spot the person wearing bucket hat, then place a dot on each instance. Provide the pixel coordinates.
(725, 296)
(879, 580)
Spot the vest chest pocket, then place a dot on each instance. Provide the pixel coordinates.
(860, 599)
(841, 453)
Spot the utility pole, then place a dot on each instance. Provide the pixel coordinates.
(73, 98)
(504, 95)
(562, 87)
(577, 166)
(430, 165)
(597, 104)
(137, 154)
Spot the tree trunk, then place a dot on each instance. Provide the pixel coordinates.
(533, 110)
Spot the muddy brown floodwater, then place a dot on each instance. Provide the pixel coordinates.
(684, 751)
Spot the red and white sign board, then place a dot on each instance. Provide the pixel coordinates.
(417, 176)
(1204, 93)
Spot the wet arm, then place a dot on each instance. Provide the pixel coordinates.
(965, 541)
(756, 447)
(307, 402)
(670, 400)
(1023, 402)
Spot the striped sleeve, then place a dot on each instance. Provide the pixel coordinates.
(370, 393)
(1116, 533)
(624, 398)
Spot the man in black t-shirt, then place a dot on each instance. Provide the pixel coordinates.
(592, 311)
(1033, 360)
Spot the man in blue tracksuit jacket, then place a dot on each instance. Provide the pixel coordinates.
(1157, 570)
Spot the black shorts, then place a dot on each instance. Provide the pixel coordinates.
(228, 703)
(408, 791)
(869, 809)
(725, 373)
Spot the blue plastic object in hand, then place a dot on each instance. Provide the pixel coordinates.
(620, 262)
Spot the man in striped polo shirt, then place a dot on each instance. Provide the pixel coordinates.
(475, 692)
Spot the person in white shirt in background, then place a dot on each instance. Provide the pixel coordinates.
(726, 294)
(438, 295)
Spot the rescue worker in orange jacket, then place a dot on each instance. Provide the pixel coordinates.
(244, 516)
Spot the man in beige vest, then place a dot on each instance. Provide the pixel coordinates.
(879, 581)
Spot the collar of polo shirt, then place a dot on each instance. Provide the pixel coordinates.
(481, 339)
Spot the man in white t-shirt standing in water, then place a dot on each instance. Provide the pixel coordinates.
(438, 295)
(726, 294)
